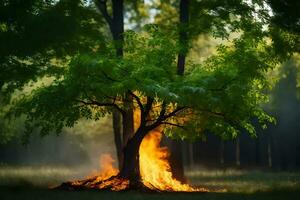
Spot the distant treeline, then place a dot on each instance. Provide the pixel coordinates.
(277, 147)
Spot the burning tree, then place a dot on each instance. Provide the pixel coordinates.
(222, 95)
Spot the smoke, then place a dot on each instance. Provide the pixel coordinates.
(77, 147)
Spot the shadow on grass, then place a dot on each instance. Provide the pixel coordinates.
(24, 192)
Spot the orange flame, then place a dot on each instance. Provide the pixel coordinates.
(105, 178)
(155, 168)
(107, 168)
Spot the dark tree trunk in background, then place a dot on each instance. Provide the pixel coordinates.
(128, 121)
(117, 29)
(117, 137)
(270, 161)
(176, 160)
(257, 151)
(183, 36)
(222, 152)
(176, 146)
(283, 152)
(116, 25)
(191, 155)
(237, 152)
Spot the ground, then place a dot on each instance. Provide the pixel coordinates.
(32, 183)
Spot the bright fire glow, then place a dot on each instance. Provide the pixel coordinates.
(105, 178)
(155, 168)
(107, 168)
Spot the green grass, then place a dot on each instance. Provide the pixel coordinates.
(36, 176)
(243, 181)
(12, 193)
(32, 183)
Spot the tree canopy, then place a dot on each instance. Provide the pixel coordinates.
(222, 94)
(37, 37)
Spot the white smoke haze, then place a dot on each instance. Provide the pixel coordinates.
(73, 154)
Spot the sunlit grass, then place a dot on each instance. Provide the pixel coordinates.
(36, 176)
(230, 180)
(245, 181)
(33, 182)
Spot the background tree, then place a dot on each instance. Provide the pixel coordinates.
(176, 146)
(115, 21)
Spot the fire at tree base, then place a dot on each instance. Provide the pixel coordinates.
(155, 171)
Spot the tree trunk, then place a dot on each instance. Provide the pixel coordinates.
(222, 152)
(176, 160)
(176, 146)
(257, 151)
(128, 121)
(183, 36)
(130, 167)
(237, 152)
(129, 170)
(191, 155)
(116, 25)
(270, 161)
(117, 137)
(117, 29)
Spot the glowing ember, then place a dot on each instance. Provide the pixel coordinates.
(155, 168)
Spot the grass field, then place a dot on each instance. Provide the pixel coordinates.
(32, 183)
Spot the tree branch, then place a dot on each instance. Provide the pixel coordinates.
(172, 124)
(162, 111)
(137, 100)
(173, 113)
(150, 101)
(162, 117)
(96, 103)
(219, 114)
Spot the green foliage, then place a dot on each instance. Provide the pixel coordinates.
(38, 37)
(221, 95)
